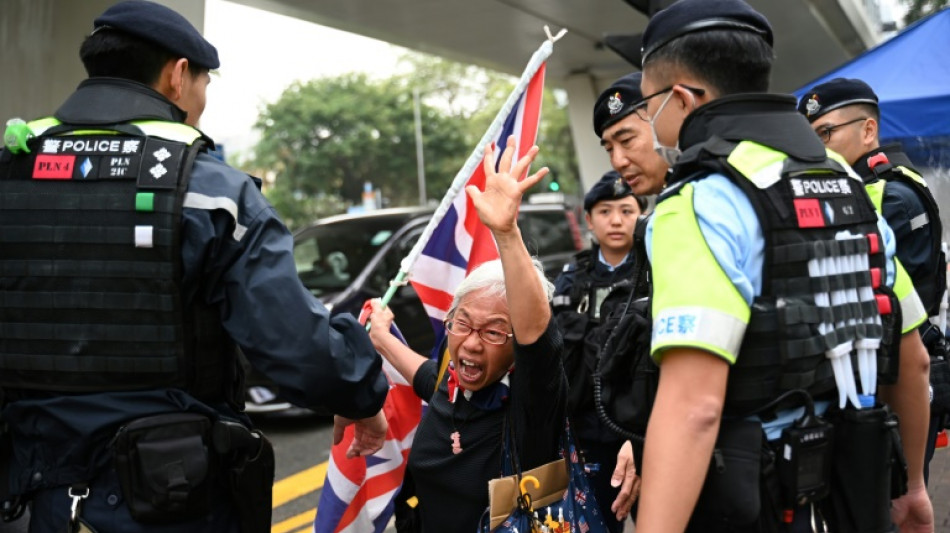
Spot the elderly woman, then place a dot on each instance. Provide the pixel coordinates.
(505, 364)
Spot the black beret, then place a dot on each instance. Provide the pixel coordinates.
(618, 101)
(833, 94)
(690, 16)
(610, 187)
(162, 26)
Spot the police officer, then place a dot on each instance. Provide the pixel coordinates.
(845, 115)
(745, 241)
(134, 266)
(625, 135)
(620, 124)
(611, 210)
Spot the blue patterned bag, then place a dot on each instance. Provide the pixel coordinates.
(576, 508)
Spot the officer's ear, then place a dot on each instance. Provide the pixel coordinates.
(869, 131)
(172, 79)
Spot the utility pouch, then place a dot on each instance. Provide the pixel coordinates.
(731, 495)
(888, 356)
(861, 472)
(939, 373)
(166, 467)
(250, 472)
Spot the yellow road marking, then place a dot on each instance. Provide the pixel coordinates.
(303, 518)
(304, 530)
(299, 484)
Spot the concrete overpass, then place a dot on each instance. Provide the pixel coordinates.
(39, 42)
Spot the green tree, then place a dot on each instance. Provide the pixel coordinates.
(325, 138)
(329, 136)
(918, 9)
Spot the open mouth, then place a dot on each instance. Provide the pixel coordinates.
(469, 372)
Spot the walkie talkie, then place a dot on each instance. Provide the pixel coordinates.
(804, 463)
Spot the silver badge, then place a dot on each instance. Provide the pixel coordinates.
(614, 104)
(812, 106)
(619, 187)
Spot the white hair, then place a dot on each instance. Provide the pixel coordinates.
(491, 277)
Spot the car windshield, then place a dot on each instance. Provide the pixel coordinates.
(330, 256)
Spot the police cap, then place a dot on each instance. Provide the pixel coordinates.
(610, 187)
(161, 26)
(833, 94)
(690, 16)
(618, 101)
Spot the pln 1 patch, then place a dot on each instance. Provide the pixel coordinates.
(808, 212)
(161, 162)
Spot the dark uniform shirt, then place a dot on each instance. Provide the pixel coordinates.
(900, 207)
(453, 488)
(600, 275)
(236, 255)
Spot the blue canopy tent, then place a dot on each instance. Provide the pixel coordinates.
(911, 75)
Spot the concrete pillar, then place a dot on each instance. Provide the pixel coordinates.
(582, 91)
(39, 50)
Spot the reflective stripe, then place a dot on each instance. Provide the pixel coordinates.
(768, 176)
(173, 131)
(702, 309)
(913, 313)
(40, 125)
(211, 203)
(700, 327)
(919, 221)
(875, 190)
(760, 164)
(912, 175)
(561, 300)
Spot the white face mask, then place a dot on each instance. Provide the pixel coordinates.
(670, 155)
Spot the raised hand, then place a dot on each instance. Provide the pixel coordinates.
(497, 205)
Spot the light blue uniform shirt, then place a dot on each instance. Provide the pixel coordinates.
(733, 233)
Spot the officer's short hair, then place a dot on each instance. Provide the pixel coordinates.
(115, 54)
(490, 276)
(731, 62)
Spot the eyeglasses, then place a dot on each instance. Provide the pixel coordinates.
(641, 108)
(824, 132)
(491, 336)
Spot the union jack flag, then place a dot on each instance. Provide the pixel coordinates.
(358, 494)
(580, 497)
(461, 242)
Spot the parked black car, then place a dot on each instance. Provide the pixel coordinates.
(345, 260)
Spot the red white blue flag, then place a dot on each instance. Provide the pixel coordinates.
(358, 494)
(461, 242)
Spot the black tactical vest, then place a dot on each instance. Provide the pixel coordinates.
(91, 269)
(823, 280)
